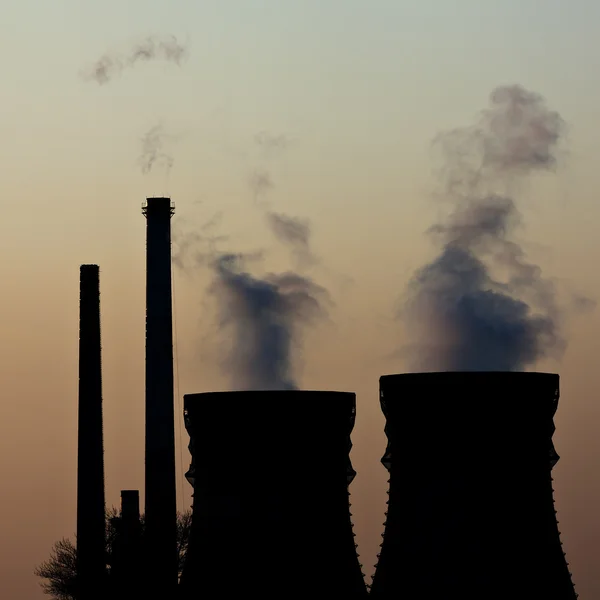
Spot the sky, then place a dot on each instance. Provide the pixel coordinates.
(359, 89)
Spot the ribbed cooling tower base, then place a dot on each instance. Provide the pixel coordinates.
(471, 512)
(271, 515)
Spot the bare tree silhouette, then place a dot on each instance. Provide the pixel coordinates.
(59, 571)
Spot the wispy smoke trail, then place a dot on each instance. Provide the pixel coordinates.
(260, 183)
(294, 232)
(197, 246)
(291, 230)
(153, 152)
(270, 143)
(265, 317)
(480, 304)
(152, 48)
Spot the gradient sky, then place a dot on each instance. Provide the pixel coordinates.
(360, 88)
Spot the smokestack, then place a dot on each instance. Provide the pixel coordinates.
(271, 512)
(471, 509)
(125, 571)
(130, 506)
(91, 533)
(161, 505)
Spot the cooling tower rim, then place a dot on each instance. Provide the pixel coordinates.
(267, 398)
(271, 394)
(463, 391)
(472, 375)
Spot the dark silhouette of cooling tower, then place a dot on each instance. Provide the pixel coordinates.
(271, 517)
(471, 510)
(160, 538)
(91, 536)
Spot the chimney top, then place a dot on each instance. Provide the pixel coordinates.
(158, 204)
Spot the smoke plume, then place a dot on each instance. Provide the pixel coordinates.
(153, 151)
(480, 304)
(265, 316)
(261, 317)
(152, 48)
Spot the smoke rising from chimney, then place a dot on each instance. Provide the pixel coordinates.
(265, 316)
(166, 48)
(153, 152)
(262, 318)
(480, 304)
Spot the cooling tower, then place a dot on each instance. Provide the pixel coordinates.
(91, 559)
(271, 517)
(471, 510)
(160, 541)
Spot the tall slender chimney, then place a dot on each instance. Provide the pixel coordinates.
(91, 560)
(161, 506)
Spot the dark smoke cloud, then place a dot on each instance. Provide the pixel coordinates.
(152, 48)
(480, 304)
(262, 317)
(265, 316)
(153, 151)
